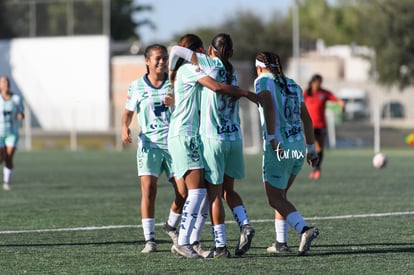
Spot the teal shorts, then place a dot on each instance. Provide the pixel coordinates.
(153, 161)
(222, 157)
(9, 140)
(186, 154)
(278, 169)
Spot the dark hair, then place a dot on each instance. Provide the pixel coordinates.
(7, 79)
(151, 48)
(272, 62)
(222, 45)
(189, 41)
(315, 77)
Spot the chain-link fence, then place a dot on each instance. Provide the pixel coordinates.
(32, 18)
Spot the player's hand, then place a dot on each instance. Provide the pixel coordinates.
(234, 98)
(311, 155)
(169, 100)
(255, 98)
(126, 136)
(20, 116)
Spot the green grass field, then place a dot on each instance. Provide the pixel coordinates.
(58, 190)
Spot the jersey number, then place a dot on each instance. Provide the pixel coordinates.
(159, 108)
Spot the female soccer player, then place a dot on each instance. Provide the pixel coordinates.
(184, 141)
(11, 108)
(222, 142)
(147, 96)
(282, 115)
(315, 99)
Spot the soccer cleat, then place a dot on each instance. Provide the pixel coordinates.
(317, 174)
(278, 248)
(6, 186)
(305, 240)
(312, 175)
(246, 235)
(221, 252)
(150, 247)
(201, 251)
(185, 250)
(171, 232)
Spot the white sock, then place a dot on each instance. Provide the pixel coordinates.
(173, 219)
(201, 220)
(281, 228)
(240, 215)
(296, 221)
(190, 213)
(148, 225)
(7, 174)
(219, 235)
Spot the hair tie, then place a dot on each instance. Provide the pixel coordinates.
(260, 64)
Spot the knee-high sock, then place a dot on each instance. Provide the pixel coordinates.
(190, 213)
(7, 174)
(240, 215)
(201, 220)
(320, 156)
(148, 226)
(282, 229)
(173, 219)
(296, 221)
(219, 232)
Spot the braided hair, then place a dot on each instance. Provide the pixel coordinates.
(272, 62)
(189, 41)
(315, 77)
(222, 46)
(151, 48)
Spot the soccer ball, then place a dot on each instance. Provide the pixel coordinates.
(379, 160)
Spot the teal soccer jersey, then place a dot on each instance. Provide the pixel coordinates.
(219, 113)
(185, 120)
(8, 118)
(288, 127)
(153, 115)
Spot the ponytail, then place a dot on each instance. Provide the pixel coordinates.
(222, 46)
(189, 41)
(272, 63)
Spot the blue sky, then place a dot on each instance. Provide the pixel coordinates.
(176, 16)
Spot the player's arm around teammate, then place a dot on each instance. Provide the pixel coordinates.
(12, 112)
(186, 54)
(146, 95)
(284, 148)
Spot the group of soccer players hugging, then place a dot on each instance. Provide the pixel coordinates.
(190, 129)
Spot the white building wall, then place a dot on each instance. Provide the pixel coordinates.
(64, 80)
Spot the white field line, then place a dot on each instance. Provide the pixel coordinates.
(92, 228)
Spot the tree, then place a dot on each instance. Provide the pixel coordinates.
(251, 34)
(78, 17)
(390, 33)
(385, 25)
(123, 25)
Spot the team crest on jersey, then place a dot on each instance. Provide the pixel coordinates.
(140, 163)
(194, 154)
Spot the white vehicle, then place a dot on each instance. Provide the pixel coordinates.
(356, 103)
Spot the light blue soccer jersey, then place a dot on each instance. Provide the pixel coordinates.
(8, 118)
(185, 120)
(219, 113)
(288, 123)
(153, 115)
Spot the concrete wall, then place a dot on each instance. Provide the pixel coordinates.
(64, 80)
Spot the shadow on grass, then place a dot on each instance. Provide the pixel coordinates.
(346, 249)
(81, 244)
